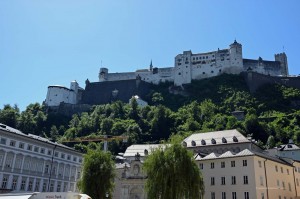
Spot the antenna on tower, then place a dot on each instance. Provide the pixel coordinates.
(283, 48)
(101, 63)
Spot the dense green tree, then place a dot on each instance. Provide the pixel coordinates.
(9, 115)
(97, 174)
(173, 174)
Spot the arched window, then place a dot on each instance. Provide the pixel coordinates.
(213, 141)
(224, 140)
(203, 142)
(146, 152)
(193, 143)
(235, 139)
(184, 144)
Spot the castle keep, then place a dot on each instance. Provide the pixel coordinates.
(187, 67)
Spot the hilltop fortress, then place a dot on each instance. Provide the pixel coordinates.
(187, 67)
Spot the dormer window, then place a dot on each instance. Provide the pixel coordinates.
(224, 140)
(235, 139)
(213, 141)
(146, 152)
(203, 142)
(193, 143)
(184, 144)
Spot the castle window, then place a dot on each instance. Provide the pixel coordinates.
(203, 73)
(193, 58)
(179, 73)
(196, 58)
(212, 71)
(186, 66)
(220, 70)
(206, 57)
(235, 139)
(213, 141)
(179, 64)
(213, 55)
(193, 143)
(224, 140)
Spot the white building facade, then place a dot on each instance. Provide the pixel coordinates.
(29, 163)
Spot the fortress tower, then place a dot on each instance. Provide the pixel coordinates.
(282, 58)
(103, 74)
(236, 56)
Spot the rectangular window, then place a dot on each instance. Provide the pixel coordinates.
(29, 147)
(212, 165)
(259, 164)
(14, 184)
(223, 181)
(36, 149)
(23, 185)
(12, 143)
(233, 195)
(58, 188)
(201, 166)
(232, 163)
(223, 195)
(246, 194)
(69, 157)
(75, 159)
(290, 188)
(44, 187)
(233, 180)
(4, 183)
(3, 141)
(261, 181)
(49, 152)
(42, 150)
(46, 168)
(283, 185)
(212, 181)
(37, 185)
(245, 179)
(288, 171)
(21, 145)
(222, 164)
(262, 195)
(281, 169)
(212, 195)
(297, 182)
(62, 156)
(278, 184)
(56, 154)
(244, 163)
(276, 168)
(29, 186)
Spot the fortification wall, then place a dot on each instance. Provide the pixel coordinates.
(272, 68)
(255, 80)
(120, 76)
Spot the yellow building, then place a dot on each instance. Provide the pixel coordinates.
(232, 166)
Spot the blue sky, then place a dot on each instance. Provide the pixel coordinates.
(53, 42)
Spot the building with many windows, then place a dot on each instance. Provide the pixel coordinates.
(232, 166)
(29, 163)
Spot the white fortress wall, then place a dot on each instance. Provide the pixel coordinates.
(58, 94)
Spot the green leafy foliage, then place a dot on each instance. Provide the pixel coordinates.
(173, 174)
(204, 105)
(97, 174)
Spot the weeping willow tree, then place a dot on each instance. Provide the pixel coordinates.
(97, 175)
(173, 174)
